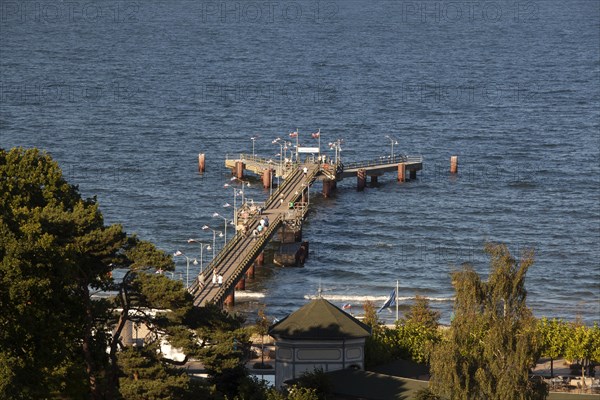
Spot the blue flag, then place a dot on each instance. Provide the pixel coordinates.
(391, 301)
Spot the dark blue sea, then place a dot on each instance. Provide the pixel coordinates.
(125, 94)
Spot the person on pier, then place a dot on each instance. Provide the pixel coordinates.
(214, 278)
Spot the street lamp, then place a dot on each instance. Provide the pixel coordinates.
(225, 220)
(202, 244)
(187, 268)
(337, 147)
(253, 138)
(280, 154)
(206, 228)
(270, 162)
(242, 184)
(393, 141)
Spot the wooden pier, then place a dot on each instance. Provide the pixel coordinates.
(286, 209)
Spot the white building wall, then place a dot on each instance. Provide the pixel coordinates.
(293, 358)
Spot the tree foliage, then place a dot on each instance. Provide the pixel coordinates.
(492, 342)
(413, 337)
(224, 359)
(420, 313)
(553, 339)
(583, 345)
(55, 253)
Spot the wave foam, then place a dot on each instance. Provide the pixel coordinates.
(242, 294)
(362, 299)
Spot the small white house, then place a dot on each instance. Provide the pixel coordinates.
(318, 335)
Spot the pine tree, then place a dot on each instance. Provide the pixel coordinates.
(55, 252)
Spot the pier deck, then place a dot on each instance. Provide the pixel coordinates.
(238, 256)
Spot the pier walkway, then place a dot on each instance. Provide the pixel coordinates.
(285, 209)
(238, 256)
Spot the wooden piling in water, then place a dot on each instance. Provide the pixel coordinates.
(401, 172)
(454, 164)
(229, 300)
(250, 272)
(327, 187)
(239, 169)
(361, 179)
(260, 259)
(241, 285)
(266, 178)
(201, 163)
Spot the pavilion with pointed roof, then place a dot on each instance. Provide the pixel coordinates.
(318, 335)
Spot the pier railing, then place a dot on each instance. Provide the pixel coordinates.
(242, 266)
(396, 159)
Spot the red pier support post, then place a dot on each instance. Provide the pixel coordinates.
(266, 178)
(239, 169)
(230, 299)
(328, 186)
(241, 285)
(201, 163)
(260, 259)
(361, 179)
(453, 164)
(250, 272)
(401, 172)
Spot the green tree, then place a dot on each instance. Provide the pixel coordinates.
(371, 318)
(262, 329)
(583, 345)
(224, 359)
(293, 393)
(554, 336)
(420, 313)
(145, 375)
(492, 343)
(55, 252)
(318, 381)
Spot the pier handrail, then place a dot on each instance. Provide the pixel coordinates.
(243, 266)
(398, 158)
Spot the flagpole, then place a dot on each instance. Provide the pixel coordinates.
(396, 300)
(297, 143)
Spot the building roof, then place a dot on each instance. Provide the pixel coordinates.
(366, 385)
(319, 319)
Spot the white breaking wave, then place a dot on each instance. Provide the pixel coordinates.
(242, 294)
(362, 299)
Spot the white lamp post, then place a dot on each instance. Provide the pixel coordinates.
(225, 220)
(202, 245)
(242, 184)
(205, 228)
(278, 142)
(337, 146)
(253, 138)
(393, 141)
(187, 268)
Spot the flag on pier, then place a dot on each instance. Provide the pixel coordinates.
(293, 134)
(391, 301)
(316, 135)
